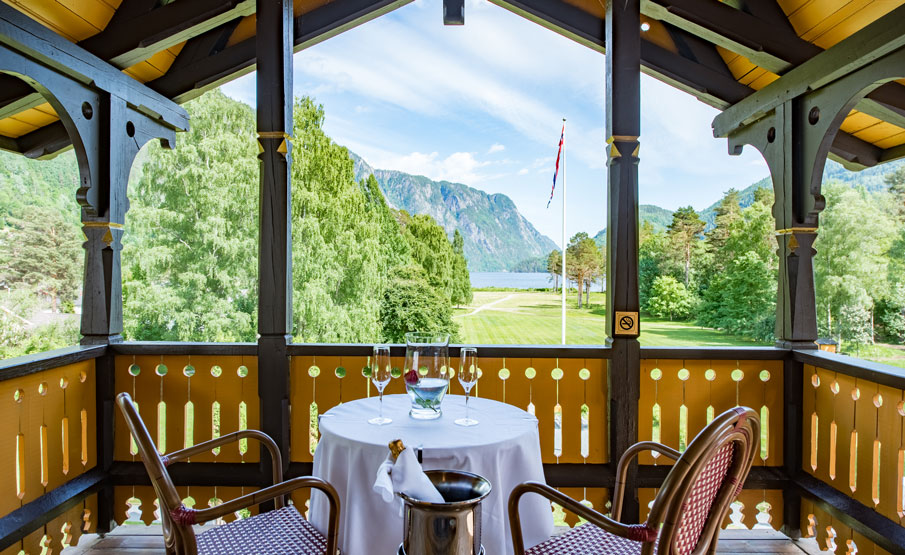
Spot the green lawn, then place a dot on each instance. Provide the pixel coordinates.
(533, 318)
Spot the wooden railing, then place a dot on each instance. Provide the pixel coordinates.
(49, 434)
(854, 442)
(188, 393)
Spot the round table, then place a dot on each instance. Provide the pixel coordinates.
(504, 448)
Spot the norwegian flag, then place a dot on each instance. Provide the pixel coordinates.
(556, 171)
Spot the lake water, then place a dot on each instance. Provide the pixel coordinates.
(515, 280)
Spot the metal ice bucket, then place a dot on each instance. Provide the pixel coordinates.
(450, 528)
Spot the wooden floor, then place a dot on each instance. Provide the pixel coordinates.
(145, 540)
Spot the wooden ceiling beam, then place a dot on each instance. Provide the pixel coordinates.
(206, 62)
(124, 43)
(136, 33)
(881, 37)
(772, 46)
(696, 68)
(28, 37)
(190, 78)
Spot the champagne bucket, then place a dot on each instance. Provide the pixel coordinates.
(450, 528)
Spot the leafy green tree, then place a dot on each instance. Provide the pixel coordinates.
(190, 247)
(42, 251)
(896, 185)
(850, 268)
(684, 233)
(446, 269)
(410, 304)
(461, 291)
(741, 296)
(584, 262)
(554, 267)
(669, 298)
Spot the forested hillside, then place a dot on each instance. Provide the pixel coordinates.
(496, 236)
(361, 271)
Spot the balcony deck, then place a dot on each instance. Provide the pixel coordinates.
(145, 540)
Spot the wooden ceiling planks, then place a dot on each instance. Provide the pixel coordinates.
(246, 28)
(822, 22)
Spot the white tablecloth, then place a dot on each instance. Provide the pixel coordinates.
(504, 448)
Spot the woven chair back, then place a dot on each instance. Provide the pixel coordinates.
(179, 538)
(696, 496)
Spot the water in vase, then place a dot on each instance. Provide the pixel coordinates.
(426, 395)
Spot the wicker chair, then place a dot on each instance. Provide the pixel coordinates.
(688, 511)
(279, 531)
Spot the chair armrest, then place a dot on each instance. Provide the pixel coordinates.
(622, 468)
(265, 439)
(277, 491)
(640, 533)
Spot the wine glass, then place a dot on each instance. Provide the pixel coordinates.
(468, 376)
(380, 375)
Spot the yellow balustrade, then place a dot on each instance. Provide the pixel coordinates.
(185, 400)
(854, 438)
(49, 438)
(832, 535)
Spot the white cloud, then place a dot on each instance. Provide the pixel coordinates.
(496, 147)
(460, 167)
(523, 171)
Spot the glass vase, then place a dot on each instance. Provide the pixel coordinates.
(426, 373)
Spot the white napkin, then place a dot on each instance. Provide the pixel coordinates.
(405, 476)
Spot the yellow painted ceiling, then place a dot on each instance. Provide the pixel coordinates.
(822, 22)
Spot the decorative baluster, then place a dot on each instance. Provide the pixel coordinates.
(313, 434)
(242, 373)
(656, 414)
(877, 448)
(188, 430)
(815, 421)
(710, 375)
(683, 375)
(216, 372)
(853, 446)
(557, 375)
(900, 466)
(585, 417)
(161, 370)
(834, 430)
(530, 373)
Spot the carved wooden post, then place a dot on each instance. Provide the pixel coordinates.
(623, 119)
(274, 79)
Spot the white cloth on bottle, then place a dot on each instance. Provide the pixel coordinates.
(404, 475)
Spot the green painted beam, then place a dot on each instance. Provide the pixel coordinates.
(881, 37)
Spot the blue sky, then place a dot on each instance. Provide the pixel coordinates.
(482, 104)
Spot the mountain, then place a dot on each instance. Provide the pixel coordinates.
(497, 237)
(873, 179)
(658, 217)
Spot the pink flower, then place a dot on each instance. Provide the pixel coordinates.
(411, 377)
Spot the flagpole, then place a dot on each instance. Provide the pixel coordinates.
(564, 232)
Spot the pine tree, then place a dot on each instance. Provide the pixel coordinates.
(42, 251)
(684, 232)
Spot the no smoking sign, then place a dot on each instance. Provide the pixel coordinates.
(626, 323)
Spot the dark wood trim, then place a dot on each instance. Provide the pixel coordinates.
(887, 534)
(139, 348)
(29, 364)
(25, 35)
(190, 80)
(792, 391)
(126, 42)
(883, 374)
(713, 353)
(563, 475)
(760, 477)
(35, 514)
(875, 40)
(124, 473)
(489, 351)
